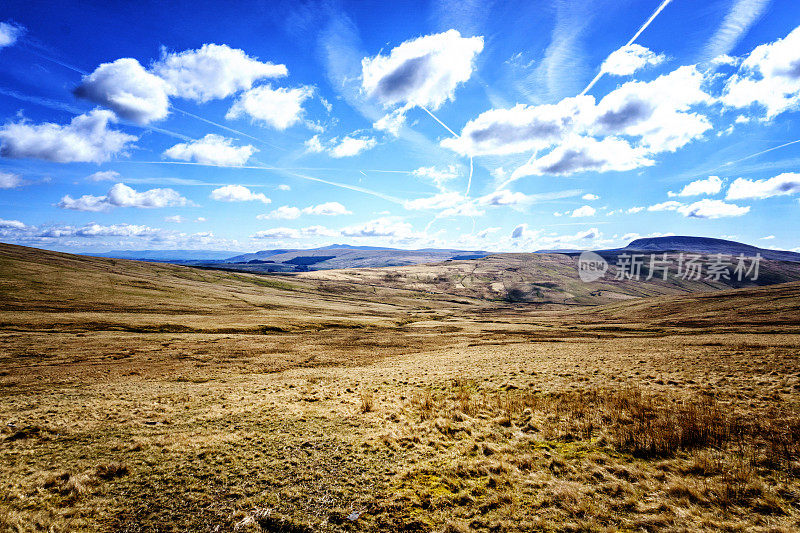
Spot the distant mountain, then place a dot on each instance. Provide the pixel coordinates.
(340, 256)
(559, 251)
(707, 245)
(167, 256)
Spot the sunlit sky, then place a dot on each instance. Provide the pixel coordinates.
(505, 126)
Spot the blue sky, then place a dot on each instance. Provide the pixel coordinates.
(476, 125)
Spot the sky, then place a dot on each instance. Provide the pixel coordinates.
(501, 126)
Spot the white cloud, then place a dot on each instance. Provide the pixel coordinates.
(709, 186)
(781, 185)
(438, 176)
(329, 209)
(9, 33)
(284, 187)
(125, 87)
(707, 208)
(670, 205)
(423, 71)
(290, 213)
(581, 154)
(114, 230)
(277, 233)
(86, 138)
(658, 112)
(737, 22)
(769, 76)
(9, 180)
(522, 128)
(11, 224)
(212, 150)
(585, 211)
(504, 197)
(628, 59)
(442, 200)
(283, 212)
(212, 71)
(279, 108)
(104, 175)
(381, 227)
(351, 146)
(590, 197)
(768, 238)
(120, 195)
(520, 232)
(238, 193)
(635, 209)
(347, 146)
(175, 219)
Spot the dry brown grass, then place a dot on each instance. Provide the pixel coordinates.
(275, 408)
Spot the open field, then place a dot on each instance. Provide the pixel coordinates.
(146, 397)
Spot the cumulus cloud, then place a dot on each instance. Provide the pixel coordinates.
(707, 208)
(212, 71)
(278, 108)
(87, 138)
(442, 200)
(634, 121)
(423, 71)
(175, 219)
(9, 33)
(347, 146)
(769, 77)
(590, 197)
(9, 180)
(584, 211)
(709, 186)
(628, 59)
(670, 205)
(289, 212)
(658, 113)
(504, 197)
(238, 193)
(581, 154)
(381, 227)
(104, 175)
(212, 150)
(436, 175)
(522, 128)
(125, 87)
(781, 185)
(11, 224)
(120, 195)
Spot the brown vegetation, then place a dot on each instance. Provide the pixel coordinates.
(139, 397)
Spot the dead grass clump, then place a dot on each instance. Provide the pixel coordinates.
(367, 402)
(111, 470)
(648, 426)
(70, 486)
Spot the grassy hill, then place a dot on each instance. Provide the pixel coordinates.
(149, 397)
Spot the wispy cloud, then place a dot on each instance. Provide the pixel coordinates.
(742, 15)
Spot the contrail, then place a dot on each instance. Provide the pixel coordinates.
(347, 186)
(755, 155)
(454, 134)
(636, 35)
(439, 121)
(192, 115)
(30, 49)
